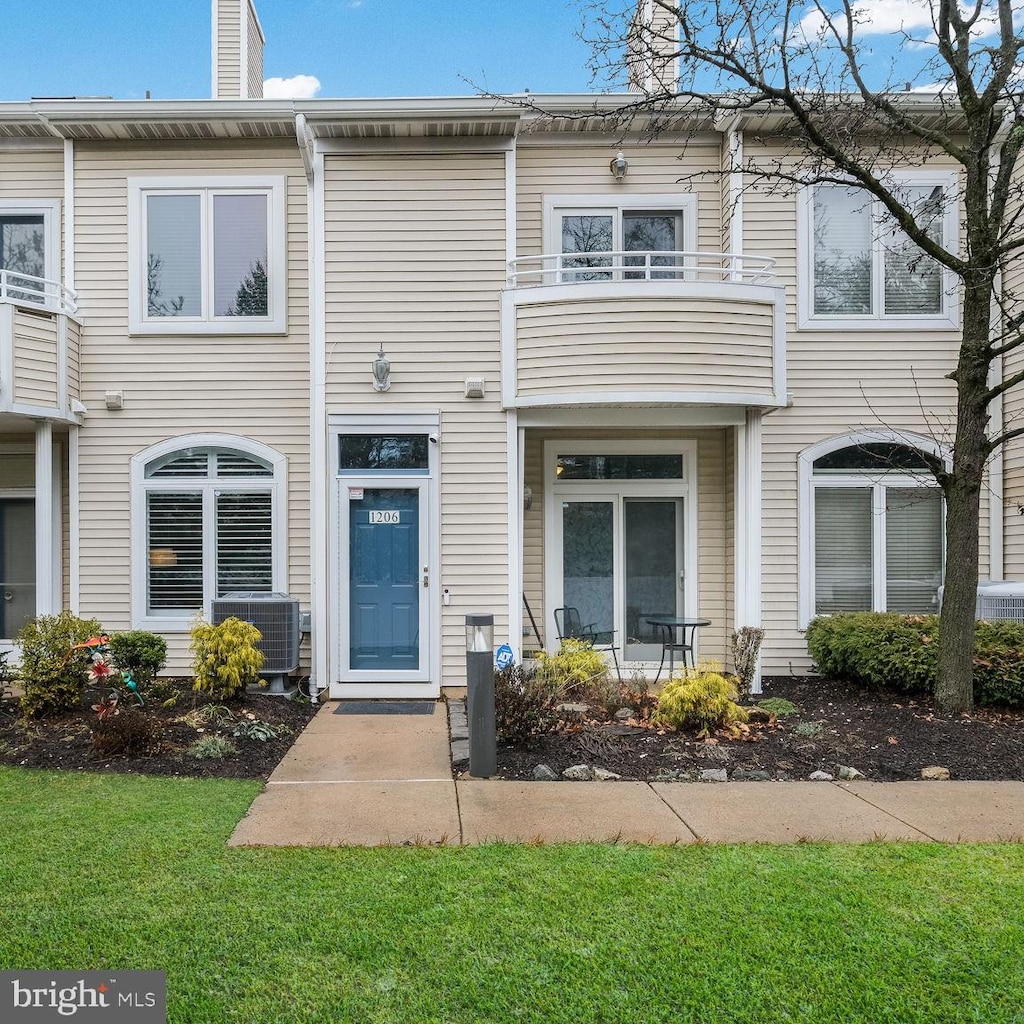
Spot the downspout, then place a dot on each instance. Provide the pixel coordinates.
(313, 163)
(74, 522)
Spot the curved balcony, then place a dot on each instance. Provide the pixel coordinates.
(643, 328)
(39, 348)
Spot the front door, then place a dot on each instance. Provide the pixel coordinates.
(17, 564)
(385, 579)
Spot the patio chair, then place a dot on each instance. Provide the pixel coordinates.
(569, 626)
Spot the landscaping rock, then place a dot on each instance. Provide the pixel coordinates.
(714, 775)
(935, 772)
(756, 714)
(820, 776)
(848, 773)
(568, 707)
(579, 773)
(460, 752)
(625, 714)
(603, 775)
(542, 773)
(750, 775)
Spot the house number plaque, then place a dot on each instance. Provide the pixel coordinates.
(382, 515)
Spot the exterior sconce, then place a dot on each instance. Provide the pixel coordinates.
(113, 400)
(619, 166)
(381, 371)
(527, 498)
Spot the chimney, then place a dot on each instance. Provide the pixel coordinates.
(651, 47)
(237, 51)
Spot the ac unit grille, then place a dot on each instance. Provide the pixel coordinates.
(276, 616)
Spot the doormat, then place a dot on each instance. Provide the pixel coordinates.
(386, 707)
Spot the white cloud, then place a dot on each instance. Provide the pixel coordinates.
(888, 17)
(298, 87)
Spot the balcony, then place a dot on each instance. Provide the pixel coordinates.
(39, 348)
(643, 328)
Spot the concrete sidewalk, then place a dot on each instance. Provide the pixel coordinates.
(370, 780)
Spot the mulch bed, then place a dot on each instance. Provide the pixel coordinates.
(65, 742)
(888, 737)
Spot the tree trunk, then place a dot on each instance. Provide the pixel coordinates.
(954, 689)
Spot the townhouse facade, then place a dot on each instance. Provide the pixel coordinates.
(408, 360)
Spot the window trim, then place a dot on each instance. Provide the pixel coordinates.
(276, 485)
(51, 213)
(808, 482)
(139, 188)
(808, 320)
(557, 205)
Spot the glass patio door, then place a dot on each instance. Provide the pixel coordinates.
(622, 563)
(17, 564)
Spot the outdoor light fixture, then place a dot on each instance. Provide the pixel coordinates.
(381, 371)
(619, 166)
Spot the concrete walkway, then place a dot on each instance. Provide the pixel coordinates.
(370, 780)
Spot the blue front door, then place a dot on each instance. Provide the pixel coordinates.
(384, 579)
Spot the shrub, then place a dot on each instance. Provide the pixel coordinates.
(142, 655)
(211, 748)
(524, 705)
(126, 732)
(53, 675)
(226, 657)
(576, 667)
(779, 706)
(700, 698)
(883, 650)
(257, 729)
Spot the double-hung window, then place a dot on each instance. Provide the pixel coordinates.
(860, 270)
(209, 519)
(604, 238)
(207, 256)
(29, 250)
(875, 531)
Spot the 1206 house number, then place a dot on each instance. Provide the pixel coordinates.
(390, 516)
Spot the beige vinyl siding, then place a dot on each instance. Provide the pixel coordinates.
(255, 44)
(644, 344)
(74, 358)
(253, 387)
(1013, 416)
(415, 260)
(35, 358)
(229, 49)
(33, 172)
(654, 168)
(714, 528)
(839, 381)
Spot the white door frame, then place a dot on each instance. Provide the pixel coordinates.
(616, 491)
(426, 682)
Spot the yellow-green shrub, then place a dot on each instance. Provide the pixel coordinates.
(226, 658)
(53, 675)
(701, 698)
(576, 668)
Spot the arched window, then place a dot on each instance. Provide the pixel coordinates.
(208, 520)
(872, 525)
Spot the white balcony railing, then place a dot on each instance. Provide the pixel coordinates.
(37, 291)
(586, 267)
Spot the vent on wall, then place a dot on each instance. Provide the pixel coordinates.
(276, 616)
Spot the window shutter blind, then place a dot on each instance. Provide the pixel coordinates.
(174, 259)
(842, 251)
(244, 542)
(913, 282)
(175, 530)
(842, 549)
(913, 549)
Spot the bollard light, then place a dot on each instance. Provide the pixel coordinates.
(483, 757)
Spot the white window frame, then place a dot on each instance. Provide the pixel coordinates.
(949, 317)
(50, 211)
(273, 186)
(276, 485)
(878, 482)
(555, 206)
(616, 491)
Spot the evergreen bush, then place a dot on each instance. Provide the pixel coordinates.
(53, 675)
(226, 658)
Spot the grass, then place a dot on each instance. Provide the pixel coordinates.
(132, 872)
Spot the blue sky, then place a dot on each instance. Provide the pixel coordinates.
(121, 48)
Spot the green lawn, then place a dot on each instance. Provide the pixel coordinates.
(119, 872)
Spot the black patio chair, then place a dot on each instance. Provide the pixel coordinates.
(569, 626)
